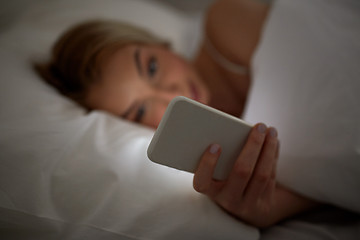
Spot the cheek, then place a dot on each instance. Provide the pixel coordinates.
(154, 115)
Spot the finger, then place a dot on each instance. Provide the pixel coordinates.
(264, 168)
(268, 195)
(237, 181)
(203, 178)
(277, 150)
(274, 167)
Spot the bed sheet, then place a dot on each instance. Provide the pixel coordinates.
(306, 84)
(326, 223)
(68, 174)
(31, 190)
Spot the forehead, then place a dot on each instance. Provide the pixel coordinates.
(119, 62)
(113, 91)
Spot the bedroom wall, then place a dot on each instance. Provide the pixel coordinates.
(9, 10)
(188, 6)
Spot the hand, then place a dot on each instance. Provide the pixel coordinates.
(248, 192)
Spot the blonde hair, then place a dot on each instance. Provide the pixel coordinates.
(77, 56)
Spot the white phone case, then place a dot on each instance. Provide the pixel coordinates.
(188, 128)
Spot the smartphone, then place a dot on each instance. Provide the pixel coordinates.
(188, 128)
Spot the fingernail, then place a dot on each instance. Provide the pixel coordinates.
(214, 148)
(273, 132)
(261, 128)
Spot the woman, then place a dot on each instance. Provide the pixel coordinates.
(132, 74)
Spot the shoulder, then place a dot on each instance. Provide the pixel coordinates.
(234, 27)
(229, 10)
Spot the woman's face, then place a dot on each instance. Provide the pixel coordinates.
(139, 81)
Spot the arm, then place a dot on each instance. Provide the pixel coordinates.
(233, 28)
(250, 192)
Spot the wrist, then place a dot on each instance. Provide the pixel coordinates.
(288, 203)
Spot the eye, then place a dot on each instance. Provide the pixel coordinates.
(140, 113)
(152, 67)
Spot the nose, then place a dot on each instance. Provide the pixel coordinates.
(169, 86)
(167, 95)
(169, 89)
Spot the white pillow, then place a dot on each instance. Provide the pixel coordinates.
(306, 83)
(71, 175)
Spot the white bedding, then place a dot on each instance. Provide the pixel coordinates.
(307, 84)
(80, 176)
(65, 174)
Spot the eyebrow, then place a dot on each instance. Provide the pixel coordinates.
(137, 61)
